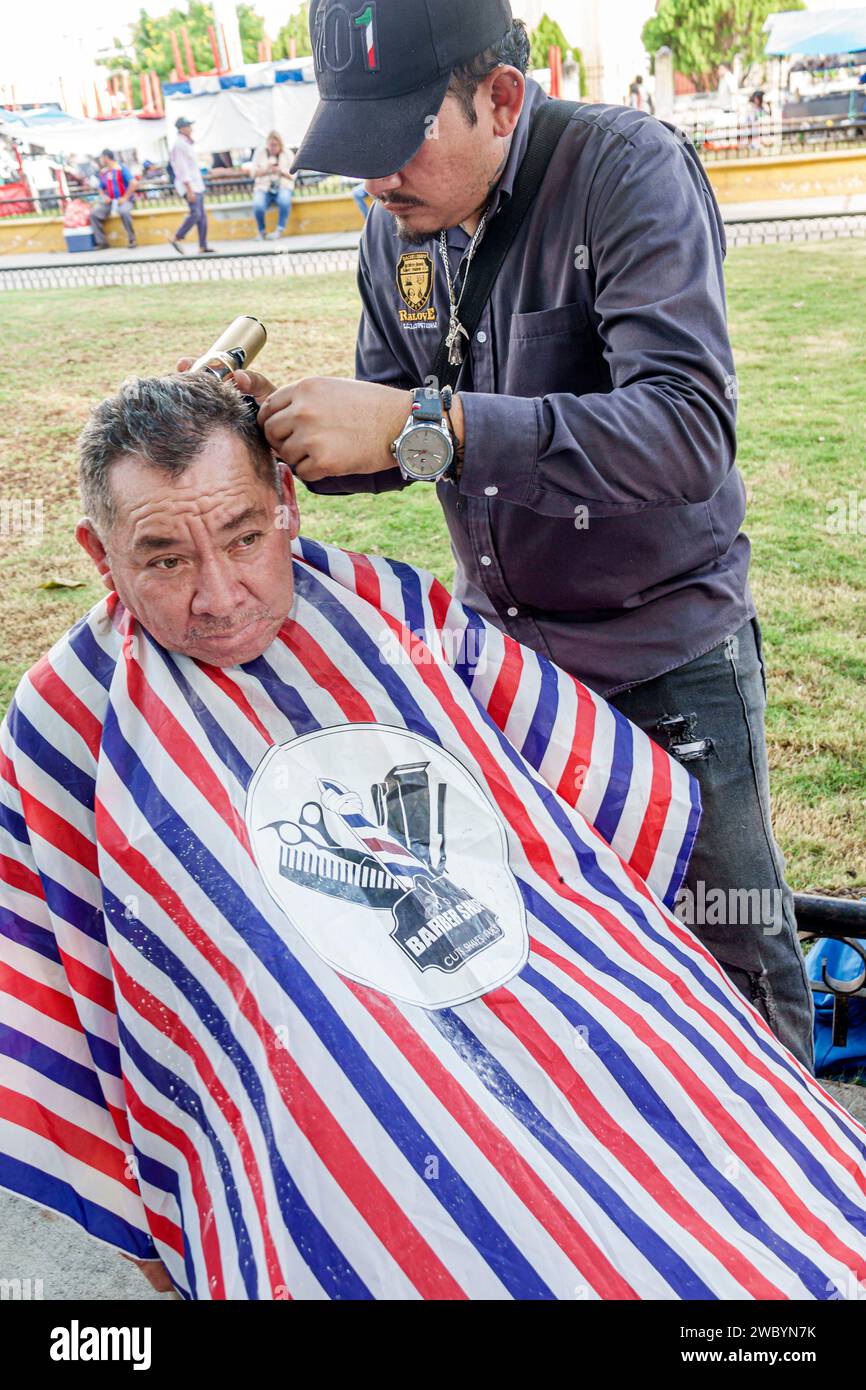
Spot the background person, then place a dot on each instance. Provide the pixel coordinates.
(273, 183)
(189, 183)
(118, 186)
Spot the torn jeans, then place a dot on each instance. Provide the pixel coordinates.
(709, 714)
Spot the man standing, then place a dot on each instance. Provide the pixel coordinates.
(586, 466)
(118, 191)
(189, 183)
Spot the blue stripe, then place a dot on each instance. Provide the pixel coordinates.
(216, 736)
(14, 824)
(413, 599)
(315, 554)
(616, 793)
(664, 1122)
(60, 1196)
(333, 1271)
(106, 1055)
(67, 905)
(688, 844)
(464, 1207)
(74, 1076)
(156, 1174)
(536, 743)
(473, 645)
(28, 934)
(286, 698)
(684, 1281)
(183, 1097)
(98, 662)
(49, 759)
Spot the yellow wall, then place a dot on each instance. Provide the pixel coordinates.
(226, 222)
(832, 175)
(735, 181)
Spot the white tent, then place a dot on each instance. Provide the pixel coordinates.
(75, 136)
(239, 118)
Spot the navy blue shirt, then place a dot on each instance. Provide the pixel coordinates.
(598, 515)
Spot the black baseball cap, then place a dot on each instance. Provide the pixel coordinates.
(383, 73)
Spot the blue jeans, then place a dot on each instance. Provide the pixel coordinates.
(197, 218)
(710, 715)
(360, 194)
(264, 200)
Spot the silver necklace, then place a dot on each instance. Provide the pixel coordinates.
(455, 327)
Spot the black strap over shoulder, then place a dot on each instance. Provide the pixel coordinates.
(548, 125)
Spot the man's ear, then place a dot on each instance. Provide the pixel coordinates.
(88, 538)
(289, 500)
(507, 89)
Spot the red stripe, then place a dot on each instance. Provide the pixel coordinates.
(326, 674)
(177, 743)
(46, 1000)
(556, 1219)
(738, 1140)
(41, 820)
(166, 1231)
(17, 875)
(363, 1188)
(7, 770)
(81, 1144)
(644, 852)
(513, 1015)
(157, 1124)
(366, 579)
(167, 1022)
(507, 683)
(87, 982)
(580, 758)
(225, 683)
(66, 704)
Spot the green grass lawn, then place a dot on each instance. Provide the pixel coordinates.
(797, 316)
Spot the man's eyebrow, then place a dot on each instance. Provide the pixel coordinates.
(172, 542)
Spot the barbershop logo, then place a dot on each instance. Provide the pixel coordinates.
(415, 283)
(389, 861)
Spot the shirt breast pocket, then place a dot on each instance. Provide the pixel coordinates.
(553, 350)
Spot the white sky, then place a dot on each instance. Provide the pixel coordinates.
(40, 40)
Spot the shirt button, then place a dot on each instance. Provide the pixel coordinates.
(481, 336)
(490, 491)
(512, 612)
(486, 560)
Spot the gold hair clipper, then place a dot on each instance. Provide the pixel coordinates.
(234, 349)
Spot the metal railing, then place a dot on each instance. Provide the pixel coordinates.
(770, 137)
(835, 919)
(161, 193)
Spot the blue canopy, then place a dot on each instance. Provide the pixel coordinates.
(806, 33)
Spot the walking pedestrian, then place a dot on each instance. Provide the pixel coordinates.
(189, 183)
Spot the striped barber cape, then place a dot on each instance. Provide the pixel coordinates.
(351, 973)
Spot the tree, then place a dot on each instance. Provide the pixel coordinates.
(297, 28)
(702, 36)
(150, 39)
(546, 35)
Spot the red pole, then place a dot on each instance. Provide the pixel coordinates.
(127, 90)
(99, 111)
(156, 93)
(187, 48)
(293, 48)
(214, 48)
(225, 47)
(175, 53)
(553, 54)
(145, 90)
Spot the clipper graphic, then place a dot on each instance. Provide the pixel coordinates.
(389, 865)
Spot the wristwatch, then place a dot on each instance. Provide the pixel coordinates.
(424, 449)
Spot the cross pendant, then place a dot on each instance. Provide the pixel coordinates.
(453, 343)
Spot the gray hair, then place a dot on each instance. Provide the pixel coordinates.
(164, 422)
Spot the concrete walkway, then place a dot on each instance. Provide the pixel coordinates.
(114, 255)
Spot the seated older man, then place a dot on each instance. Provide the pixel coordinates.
(336, 950)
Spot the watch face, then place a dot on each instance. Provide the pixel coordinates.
(424, 452)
